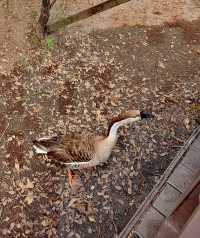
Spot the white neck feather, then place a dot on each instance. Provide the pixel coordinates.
(113, 131)
(105, 146)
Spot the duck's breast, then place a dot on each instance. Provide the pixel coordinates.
(104, 149)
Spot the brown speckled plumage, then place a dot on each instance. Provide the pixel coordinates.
(83, 151)
(79, 149)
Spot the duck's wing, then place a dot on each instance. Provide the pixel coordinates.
(76, 153)
(79, 150)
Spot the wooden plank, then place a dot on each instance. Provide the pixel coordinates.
(182, 178)
(150, 223)
(173, 225)
(63, 8)
(192, 159)
(167, 200)
(150, 198)
(84, 14)
(196, 143)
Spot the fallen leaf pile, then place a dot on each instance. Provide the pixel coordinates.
(78, 86)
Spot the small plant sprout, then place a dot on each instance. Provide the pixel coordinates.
(50, 43)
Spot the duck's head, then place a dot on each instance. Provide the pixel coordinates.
(128, 117)
(138, 114)
(132, 115)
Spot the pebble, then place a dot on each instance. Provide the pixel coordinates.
(118, 187)
(89, 230)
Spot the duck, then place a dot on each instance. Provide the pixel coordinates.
(86, 151)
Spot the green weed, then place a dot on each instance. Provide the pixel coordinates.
(50, 43)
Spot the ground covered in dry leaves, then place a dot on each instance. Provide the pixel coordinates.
(77, 87)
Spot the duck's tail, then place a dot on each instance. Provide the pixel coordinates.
(44, 145)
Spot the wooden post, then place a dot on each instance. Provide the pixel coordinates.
(44, 17)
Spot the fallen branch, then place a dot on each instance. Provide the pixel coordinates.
(53, 2)
(4, 131)
(64, 21)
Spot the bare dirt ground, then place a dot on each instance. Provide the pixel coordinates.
(77, 86)
(16, 20)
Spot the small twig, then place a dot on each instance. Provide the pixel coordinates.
(53, 2)
(21, 196)
(4, 131)
(113, 222)
(116, 230)
(7, 4)
(99, 232)
(177, 146)
(178, 139)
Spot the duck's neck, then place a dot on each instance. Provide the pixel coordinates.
(112, 136)
(106, 145)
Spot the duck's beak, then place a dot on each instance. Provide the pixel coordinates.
(146, 115)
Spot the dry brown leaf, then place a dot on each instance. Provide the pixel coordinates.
(12, 225)
(17, 166)
(92, 219)
(45, 223)
(29, 184)
(4, 231)
(187, 123)
(82, 205)
(29, 198)
(4, 201)
(24, 186)
(98, 115)
(161, 65)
